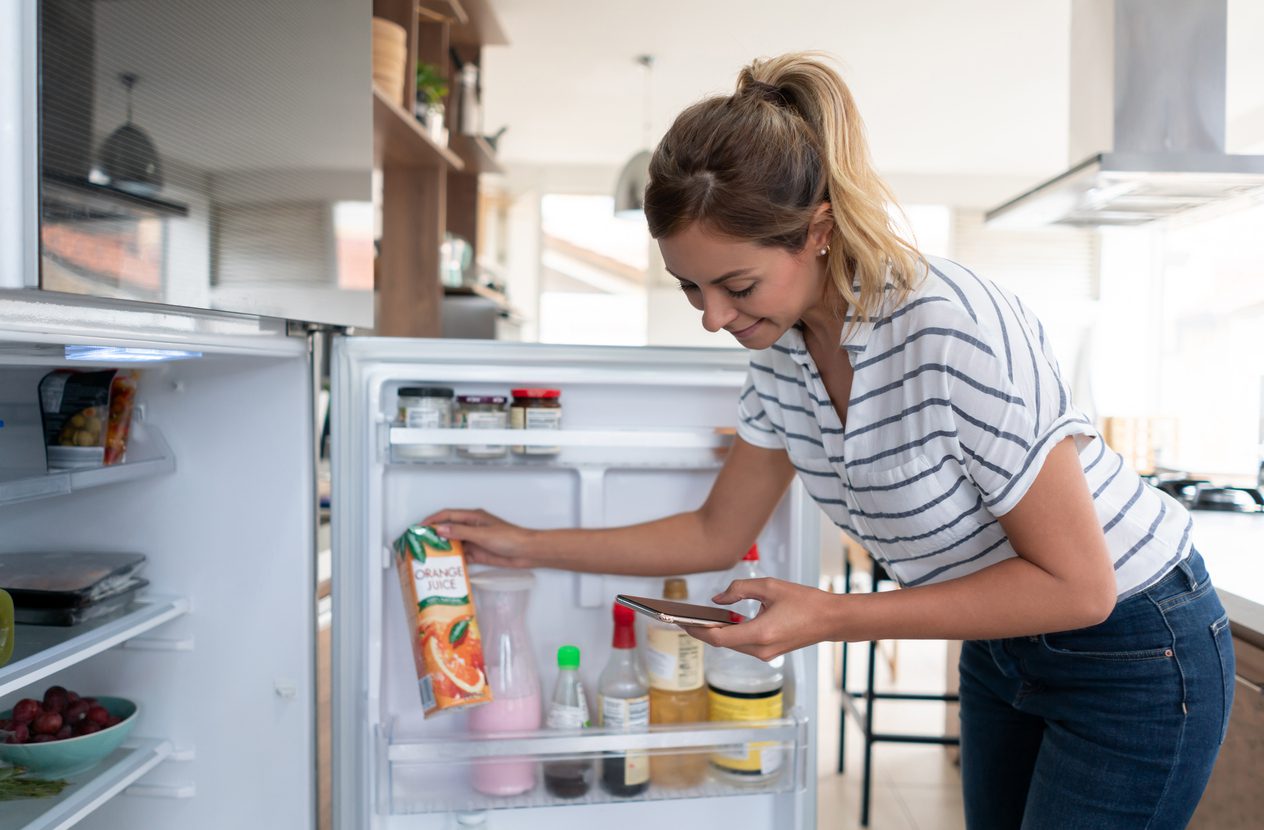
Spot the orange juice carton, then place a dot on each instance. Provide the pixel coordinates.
(447, 646)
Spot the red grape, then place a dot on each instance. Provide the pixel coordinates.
(98, 715)
(64, 733)
(55, 699)
(26, 710)
(47, 724)
(7, 724)
(76, 711)
(88, 727)
(113, 721)
(72, 697)
(42, 739)
(21, 734)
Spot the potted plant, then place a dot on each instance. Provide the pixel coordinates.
(432, 87)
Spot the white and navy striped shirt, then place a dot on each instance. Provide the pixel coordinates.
(956, 400)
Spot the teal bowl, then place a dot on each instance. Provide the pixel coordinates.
(71, 756)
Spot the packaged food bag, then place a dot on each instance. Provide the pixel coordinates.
(443, 628)
(87, 416)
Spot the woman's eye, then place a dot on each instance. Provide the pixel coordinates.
(745, 292)
(686, 286)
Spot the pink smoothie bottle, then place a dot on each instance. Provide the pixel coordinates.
(501, 599)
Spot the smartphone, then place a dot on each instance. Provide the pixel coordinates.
(681, 613)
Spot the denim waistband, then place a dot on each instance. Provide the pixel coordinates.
(1185, 575)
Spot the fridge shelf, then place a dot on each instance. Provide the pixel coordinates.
(42, 650)
(434, 774)
(679, 449)
(89, 790)
(148, 454)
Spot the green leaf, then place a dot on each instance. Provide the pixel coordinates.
(458, 632)
(431, 537)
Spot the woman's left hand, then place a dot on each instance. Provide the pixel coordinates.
(793, 616)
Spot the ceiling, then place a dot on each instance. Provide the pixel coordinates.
(953, 94)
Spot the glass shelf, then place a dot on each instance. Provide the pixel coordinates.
(88, 790)
(42, 650)
(434, 774)
(148, 455)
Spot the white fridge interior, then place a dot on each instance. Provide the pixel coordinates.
(643, 434)
(217, 491)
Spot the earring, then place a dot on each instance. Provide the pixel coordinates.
(825, 250)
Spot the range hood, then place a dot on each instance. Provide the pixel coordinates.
(1148, 94)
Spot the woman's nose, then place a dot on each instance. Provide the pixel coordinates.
(716, 314)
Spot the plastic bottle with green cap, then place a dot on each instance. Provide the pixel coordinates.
(568, 710)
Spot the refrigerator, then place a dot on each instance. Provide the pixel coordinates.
(218, 490)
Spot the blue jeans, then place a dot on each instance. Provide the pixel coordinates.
(1104, 728)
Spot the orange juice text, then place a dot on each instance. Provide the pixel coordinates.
(447, 646)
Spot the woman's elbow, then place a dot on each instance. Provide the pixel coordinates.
(1097, 603)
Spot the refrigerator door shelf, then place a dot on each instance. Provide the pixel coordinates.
(147, 455)
(41, 650)
(676, 449)
(89, 791)
(433, 775)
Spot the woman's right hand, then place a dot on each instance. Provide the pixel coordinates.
(487, 539)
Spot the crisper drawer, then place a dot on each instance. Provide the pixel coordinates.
(443, 775)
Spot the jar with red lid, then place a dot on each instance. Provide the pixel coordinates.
(536, 409)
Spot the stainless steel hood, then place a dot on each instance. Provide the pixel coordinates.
(1151, 97)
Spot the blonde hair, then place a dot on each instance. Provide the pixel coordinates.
(756, 165)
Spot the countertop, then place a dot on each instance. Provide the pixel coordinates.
(1233, 546)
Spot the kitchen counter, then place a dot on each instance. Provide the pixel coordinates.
(1233, 546)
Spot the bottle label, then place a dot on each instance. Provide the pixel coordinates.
(625, 712)
(569, 717)
(759, 757)
(417, 417)
(542, 418)
(628, 713)
(674, 660)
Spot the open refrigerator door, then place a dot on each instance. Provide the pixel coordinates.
(216, 491)
(643, 435)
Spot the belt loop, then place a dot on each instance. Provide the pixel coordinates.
(1190, 579)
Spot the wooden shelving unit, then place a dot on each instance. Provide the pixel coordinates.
(399, 139)
(427, 189)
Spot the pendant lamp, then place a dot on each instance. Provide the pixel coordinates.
(629, 191)
(129, 158)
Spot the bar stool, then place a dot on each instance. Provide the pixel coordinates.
(864, 718)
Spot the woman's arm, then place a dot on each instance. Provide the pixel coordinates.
(1062, 579)
(746, 491)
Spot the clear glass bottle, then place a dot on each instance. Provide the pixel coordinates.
(623, 695)
(744, 688)
(678, 691)
(502, 596)
(482, 412)
(424, 407)
(570, 778)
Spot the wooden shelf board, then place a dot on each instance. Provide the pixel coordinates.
(450, 10)
(399, 139)
(483, 28)
(474, 151)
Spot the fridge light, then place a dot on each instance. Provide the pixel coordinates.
(123, 354)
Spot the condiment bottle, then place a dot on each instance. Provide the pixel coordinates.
(744, 688)
(569, 778)
(625, 704)
(677, 691)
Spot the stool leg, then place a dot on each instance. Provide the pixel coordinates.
(866, 785)
(842, 677)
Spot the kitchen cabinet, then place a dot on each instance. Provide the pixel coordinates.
(427, 189)
(1234, 797)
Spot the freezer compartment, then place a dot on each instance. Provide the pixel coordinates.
(435, 775)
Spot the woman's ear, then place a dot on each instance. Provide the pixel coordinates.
(821, 229)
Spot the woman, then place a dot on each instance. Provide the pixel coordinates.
(922, 408)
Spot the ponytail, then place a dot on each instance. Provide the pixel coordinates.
(757, 164)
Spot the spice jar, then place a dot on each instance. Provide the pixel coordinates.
(424, 407)
(482, 412)
(536, 409)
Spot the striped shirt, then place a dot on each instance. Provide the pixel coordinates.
(956, 400)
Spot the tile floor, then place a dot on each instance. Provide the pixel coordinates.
(915, 786)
